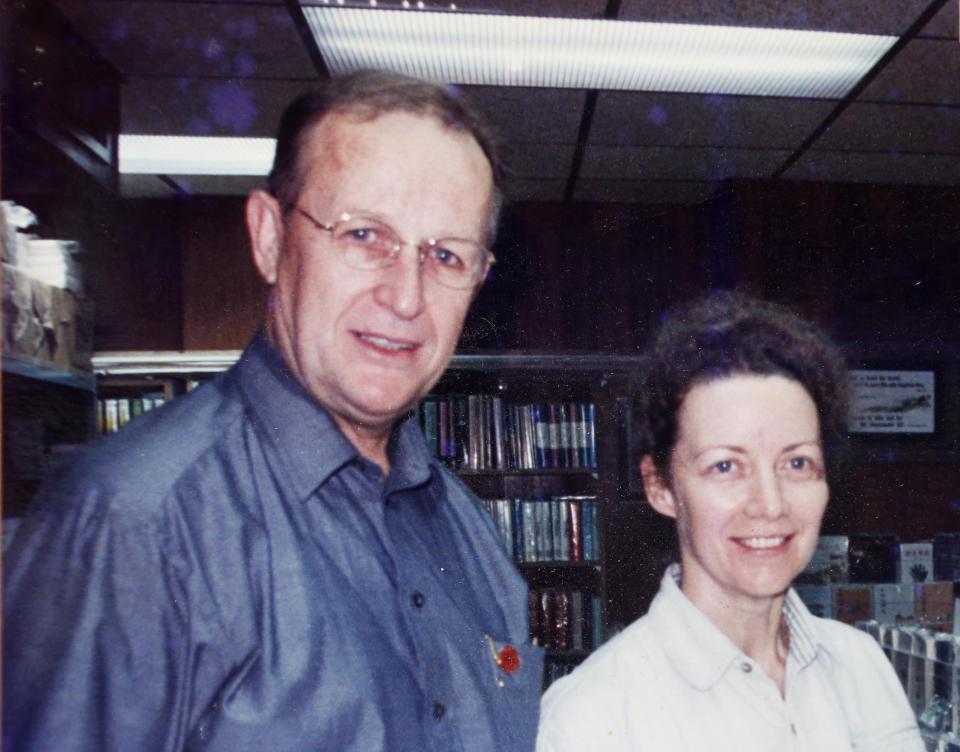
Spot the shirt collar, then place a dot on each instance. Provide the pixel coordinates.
(304, 434)
(804, 645)
(700, 652)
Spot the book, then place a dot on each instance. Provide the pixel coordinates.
(576, 528)
(933, 605)
(541, 439)
(590, 437)
(852, 603)
(828, 564)
(817, 598)
(553, 428)
(946, 557)
(429, 424)
(893, 602)
(916, 562)
(873, 557)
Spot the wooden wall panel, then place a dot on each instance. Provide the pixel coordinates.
(223, 294)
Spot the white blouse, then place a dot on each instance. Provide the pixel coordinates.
(672, 681)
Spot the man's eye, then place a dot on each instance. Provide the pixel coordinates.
(361, 235)
(446, 257)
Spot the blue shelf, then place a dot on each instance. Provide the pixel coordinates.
(43, 371)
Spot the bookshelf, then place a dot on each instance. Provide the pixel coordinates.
(552, 512)
(46, 412)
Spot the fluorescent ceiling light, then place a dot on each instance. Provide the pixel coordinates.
(502, 50)
(195, 155)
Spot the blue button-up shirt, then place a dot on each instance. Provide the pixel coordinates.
(228, 573)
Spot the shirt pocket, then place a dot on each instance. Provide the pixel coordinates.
(508, 691)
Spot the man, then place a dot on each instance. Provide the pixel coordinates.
(274, 562)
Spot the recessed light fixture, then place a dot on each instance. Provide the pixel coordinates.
(503, 50)
(195, 155)
(494, 49)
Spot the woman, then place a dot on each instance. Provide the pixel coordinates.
(742, 404)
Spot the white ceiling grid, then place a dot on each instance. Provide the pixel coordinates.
(228, 67)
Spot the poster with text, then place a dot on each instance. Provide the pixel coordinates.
(892, 402)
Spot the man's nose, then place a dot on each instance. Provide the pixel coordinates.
(401, 284)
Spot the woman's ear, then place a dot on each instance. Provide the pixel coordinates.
(659, 496)
(265, 225)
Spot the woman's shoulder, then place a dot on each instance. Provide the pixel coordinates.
(624, 658)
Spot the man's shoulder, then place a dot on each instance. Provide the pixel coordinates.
(147, 457)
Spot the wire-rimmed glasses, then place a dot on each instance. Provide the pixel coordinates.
(365, 242)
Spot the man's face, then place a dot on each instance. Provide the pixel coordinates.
(368, 344)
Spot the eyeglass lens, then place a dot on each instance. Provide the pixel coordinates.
(367, 243)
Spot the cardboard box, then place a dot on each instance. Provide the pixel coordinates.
(852, 603)
(933, 605)
(45, 325)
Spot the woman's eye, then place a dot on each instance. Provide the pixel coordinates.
(723, 466)
(803, 467)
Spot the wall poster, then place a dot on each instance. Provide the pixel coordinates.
(892, 402)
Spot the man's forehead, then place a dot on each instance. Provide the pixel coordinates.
(346, 131)
(397, 145)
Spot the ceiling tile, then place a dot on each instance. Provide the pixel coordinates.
(223, 40)
(538, 160)
(521, 189)
(695, 163)
(528, 115)
(860, 167)
(639, 118)
(926, 70)
(864, 16)
(944, 24)
(205, 107)
(905, 128)
(644, 191)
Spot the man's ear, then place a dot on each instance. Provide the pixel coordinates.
(658, 494)
(265, 225)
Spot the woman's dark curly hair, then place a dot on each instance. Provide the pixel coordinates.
(727, 334)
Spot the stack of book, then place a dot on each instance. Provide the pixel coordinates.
(565, 620)
(559, 528)
(482, 432)
(113, 413)
(875, 577)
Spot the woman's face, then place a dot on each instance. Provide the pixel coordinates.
(748, 488)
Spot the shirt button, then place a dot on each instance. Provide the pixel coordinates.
(438, 710)
(746, 667)
(418, 600)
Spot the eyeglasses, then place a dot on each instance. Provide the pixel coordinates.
(367, 243)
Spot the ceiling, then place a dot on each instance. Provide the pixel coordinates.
(228, 67)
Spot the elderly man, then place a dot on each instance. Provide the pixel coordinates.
(274, 562)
